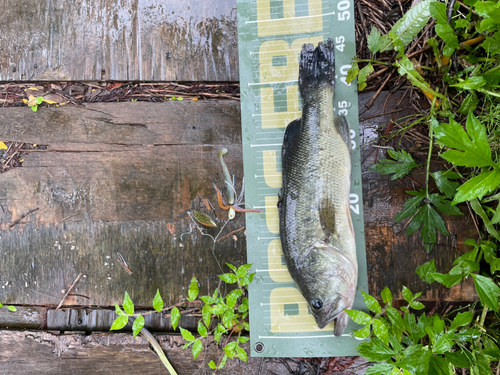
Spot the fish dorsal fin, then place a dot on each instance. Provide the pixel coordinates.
(342, 127)
(291, 132)
(327, 220)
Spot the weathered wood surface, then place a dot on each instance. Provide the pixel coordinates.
(38, 352)
(121, 177)
(392, 257)
(118, 40)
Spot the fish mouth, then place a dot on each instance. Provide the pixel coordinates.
(324, 323)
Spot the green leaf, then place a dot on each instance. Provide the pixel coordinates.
(416, 360)
(363, 75)
(458, 359)
(119, 311)
(175, 315)
(243, 339)
(34, 108)
(119, 323)
(233, 297)
(406, 68)
(229, 278)
(476, 206)
(223, 362)
(444, 205)
(410, 207)
(478, 186)
(128, 305)
(232, 267)
(471, 83)
(230, 349)
(402, 164)
(197, 348)
(487, 290)
(158, 301)
(138, 324)
(244, 305)
(241, 354)
(371, 303)
(381, 331)
(188, 336)
(407, 294)
(212, 365)
(408, 27)
(39, 100)
(462, 319)
(438, 366)
(353, 72)
(443, 28)
(443, 343)
(469, 104)
(417, 305)
(430, 220)
(206, 313)
(243, 270)
(395, 317)
(375, 350)
(445, 186)
(363, 333)
(359, 317)
(380, 368)
(386, 295)
(193, 289)
(374, 40)
(202, 330)
(11, 308)
(473, 146)
(425, 270)
(247, 280)
(447, 280)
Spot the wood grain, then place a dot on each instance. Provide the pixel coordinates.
(120, 178)
(118, 40)
(35, 352)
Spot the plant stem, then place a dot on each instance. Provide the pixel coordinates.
(372, 61)
(428, 169)
(481, 323)
(158, 351)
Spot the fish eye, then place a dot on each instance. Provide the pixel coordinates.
(317, 304)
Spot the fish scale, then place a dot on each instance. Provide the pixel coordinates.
(315, 223)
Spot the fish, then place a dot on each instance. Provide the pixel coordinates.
(316, 230)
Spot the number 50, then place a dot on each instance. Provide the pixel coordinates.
(344, 14)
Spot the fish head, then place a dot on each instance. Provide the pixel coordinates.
(328, 307)
(331, 288)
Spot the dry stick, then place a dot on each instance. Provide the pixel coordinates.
(372, 100)
(421, 36)
(69, 290)
(380, 114)
(362, 17)
(417, 52)
(23, 216)
(229, 234)
(377, 73)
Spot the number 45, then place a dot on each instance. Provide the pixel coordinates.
(339, 43)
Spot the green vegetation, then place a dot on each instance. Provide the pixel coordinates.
(221, 315)
(463, 121)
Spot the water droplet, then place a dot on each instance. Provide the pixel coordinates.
(249, 138)
(356, 183)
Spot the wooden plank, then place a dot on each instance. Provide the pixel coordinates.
(120, 177)
(119, 40)
(392, 257)
(34, 352)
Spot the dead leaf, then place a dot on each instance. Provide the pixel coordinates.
(3, 146)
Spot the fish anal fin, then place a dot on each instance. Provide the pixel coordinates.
(342, 127)
(327, 220)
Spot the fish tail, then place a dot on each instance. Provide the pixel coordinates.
(317, 68)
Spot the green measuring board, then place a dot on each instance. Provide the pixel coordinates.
(271, 35)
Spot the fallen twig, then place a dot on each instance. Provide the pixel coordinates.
(69, 290)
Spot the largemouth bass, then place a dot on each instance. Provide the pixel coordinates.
(316, 230)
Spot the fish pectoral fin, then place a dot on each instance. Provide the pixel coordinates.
(327, 220)
(342, 127)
